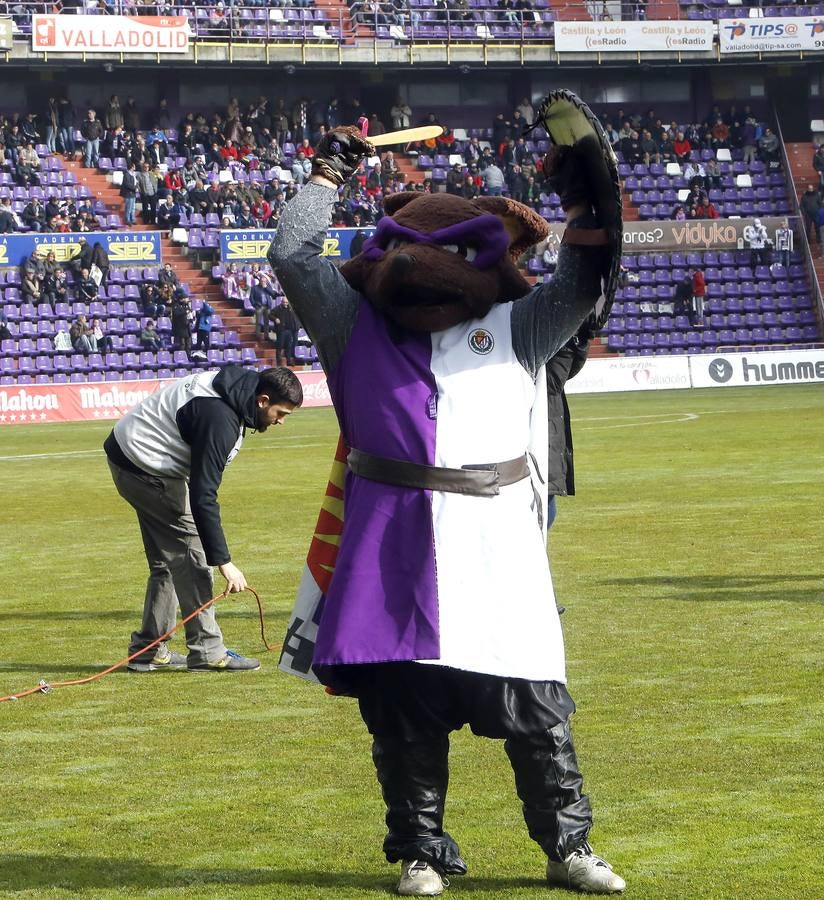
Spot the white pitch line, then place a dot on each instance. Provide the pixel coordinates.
(59, 453)
(49, 455)
(660, 420)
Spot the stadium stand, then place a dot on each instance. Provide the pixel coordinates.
(237, 167)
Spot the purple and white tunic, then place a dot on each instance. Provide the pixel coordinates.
(430, 576)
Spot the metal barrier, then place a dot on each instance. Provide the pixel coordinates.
(805, 242)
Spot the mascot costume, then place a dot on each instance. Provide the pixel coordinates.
(440, 611)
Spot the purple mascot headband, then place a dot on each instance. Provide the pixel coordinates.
(486, 234)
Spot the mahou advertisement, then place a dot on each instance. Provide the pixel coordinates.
(109, 34)
(37, 403)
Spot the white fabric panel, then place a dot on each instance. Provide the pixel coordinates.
(496, 603)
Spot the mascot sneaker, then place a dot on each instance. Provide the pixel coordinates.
(419, 879)
(583, 871)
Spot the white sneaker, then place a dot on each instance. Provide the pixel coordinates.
(419, 879)
(583, 871)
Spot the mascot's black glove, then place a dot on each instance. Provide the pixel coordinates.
(567, 174)
(339, 153)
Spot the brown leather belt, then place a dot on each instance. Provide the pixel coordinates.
(484, 480)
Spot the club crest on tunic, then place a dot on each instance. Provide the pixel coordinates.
(481, 341)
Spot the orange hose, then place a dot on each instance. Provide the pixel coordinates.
(45, 686)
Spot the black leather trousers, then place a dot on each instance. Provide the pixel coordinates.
(410, 709)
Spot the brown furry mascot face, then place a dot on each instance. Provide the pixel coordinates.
(436, 260)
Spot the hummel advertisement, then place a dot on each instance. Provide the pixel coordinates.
(757, 369)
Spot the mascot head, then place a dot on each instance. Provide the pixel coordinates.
(436, 260)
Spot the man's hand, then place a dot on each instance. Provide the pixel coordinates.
(235, 579)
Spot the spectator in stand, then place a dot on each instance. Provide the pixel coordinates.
(231, 282)
(679, 214)
(695, 174)
(712, 174)
(287, 326)
(703, 209)
(113, 117)
(82, 260)
(131, 116)
(301, 168)
(649, 148)
(34, 215)
(699, 291)
(8, 217)
(55, 285)
(261, 293)
(128, 191)
(66, 124)
(400, 114)
(104, 341)
(12, 140)
(203, 328)
(168, 214)
(182, 318)
(810, 206)
(28, 165)
(100, 259)
(149, 337)
(150, 300)
(494, 181)
(719, 134)
(470, 189)
(768, 147)
(784, 243)
(83, 341)
(682, 300)
(173, 182)
(92, 132)
(748, 139)
(30, 286)
(473, 151)
(665, 147)
(29, 130)
(116, 144)
(757, 239)
(377, 181)
(167, 275)
(454, 180)
(818, 164)
(526, 110)
(517, 184)
(5, 334)
(681, 147)
(147, 182)
(631, 148)
(86, 288)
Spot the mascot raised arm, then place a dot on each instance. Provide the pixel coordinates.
(440, 611)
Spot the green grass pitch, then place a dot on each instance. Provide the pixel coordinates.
(691, 564)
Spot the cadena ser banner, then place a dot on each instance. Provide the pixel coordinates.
(626, 37)
(109, 34)
(252, 245)
(125, 248)
(38, 403)
(776, 34)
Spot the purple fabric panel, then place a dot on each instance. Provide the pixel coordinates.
(383, 603)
